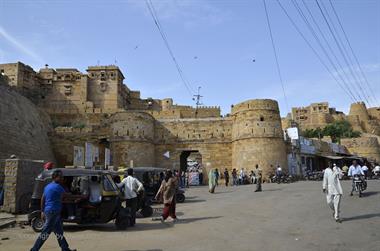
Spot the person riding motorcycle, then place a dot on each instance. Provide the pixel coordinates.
(355, 169)
(278, 173)
(376, 170)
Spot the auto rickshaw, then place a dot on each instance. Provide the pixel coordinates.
(152, 177)
(95, 199)
(144, 203)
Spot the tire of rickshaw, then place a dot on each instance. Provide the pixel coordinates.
(123, 219)
(37, 224)
(147, 211)
(180, 198)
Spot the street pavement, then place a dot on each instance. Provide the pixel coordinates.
(292, 217)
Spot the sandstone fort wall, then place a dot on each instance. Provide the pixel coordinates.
(23, 131)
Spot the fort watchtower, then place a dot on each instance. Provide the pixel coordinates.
(257, 136)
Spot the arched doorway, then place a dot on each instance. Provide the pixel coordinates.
(190, 159)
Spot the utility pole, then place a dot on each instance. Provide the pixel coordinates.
(197, 99)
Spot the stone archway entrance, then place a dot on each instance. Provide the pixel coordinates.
(189, 158)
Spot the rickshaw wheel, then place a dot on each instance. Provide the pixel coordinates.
(37, 224)
(180, 198)
(147, 211)
(123, 219)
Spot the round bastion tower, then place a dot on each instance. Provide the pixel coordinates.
(359, 109)
(257, 136)
(131, 141)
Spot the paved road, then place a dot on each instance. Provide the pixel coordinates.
(290, 217)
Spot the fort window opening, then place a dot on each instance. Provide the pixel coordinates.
(261, 118)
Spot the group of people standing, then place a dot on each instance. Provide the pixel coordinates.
(254, 177)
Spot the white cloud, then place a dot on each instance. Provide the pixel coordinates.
(20, 46)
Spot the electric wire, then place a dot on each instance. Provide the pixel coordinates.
(337, 41)
(346, 55)
(275, 55)
(315, 35)
(374, 98)
(157, 22)
(314, 51)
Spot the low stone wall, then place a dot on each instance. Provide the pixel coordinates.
(18, 184)
(364, 146)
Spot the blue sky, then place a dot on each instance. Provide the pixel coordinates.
(215, 42)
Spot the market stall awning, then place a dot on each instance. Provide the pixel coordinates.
(334, 157)
(340, 157)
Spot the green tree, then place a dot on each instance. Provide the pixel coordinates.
(312, 133)
(336, 130)
(340, 129)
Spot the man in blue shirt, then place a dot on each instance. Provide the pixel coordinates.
(51, 206)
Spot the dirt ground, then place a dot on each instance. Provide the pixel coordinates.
(290, 217)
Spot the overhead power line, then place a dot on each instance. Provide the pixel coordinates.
(326, 53)
(275, 56)
(314, 51)
(340, 46)
(374, 98)
(157, 22)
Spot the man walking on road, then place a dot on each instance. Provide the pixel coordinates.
(258, 174)
(51, 206)
(331, 186)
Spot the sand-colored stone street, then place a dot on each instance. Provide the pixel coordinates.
(283, 217)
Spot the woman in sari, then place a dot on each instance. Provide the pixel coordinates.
(167, 193)
(211, 181)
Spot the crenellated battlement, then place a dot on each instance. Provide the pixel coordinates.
(255, 104)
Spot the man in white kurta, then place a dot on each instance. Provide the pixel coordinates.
(331, 186)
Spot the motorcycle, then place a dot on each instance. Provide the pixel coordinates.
(281, 179)
(359, 184)
(376, 175)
